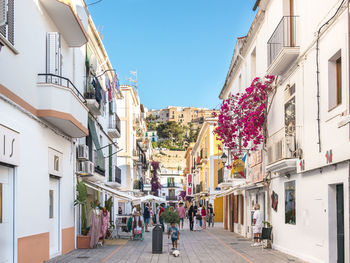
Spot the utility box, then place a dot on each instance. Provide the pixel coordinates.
(157, 239)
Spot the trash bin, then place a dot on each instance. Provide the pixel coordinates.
(157, 239)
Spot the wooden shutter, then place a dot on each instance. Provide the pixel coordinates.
(3, 17)
(11, 22)
(235, 210)
(241, 208)
(53, 53)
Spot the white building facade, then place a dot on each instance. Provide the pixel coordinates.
(306, 163)
(42, 114)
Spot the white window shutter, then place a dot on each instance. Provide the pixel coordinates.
(3, 12)
(53, 54)
(11, 21)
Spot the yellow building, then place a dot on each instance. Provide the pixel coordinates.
(207, 167)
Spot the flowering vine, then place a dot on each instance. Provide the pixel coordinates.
(242, 117)
(155, 184)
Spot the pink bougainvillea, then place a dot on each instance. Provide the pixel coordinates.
(242, 117)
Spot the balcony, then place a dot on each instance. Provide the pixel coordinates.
(281, 153)
(283, 46)
(61, 104)
(114, 126)
(171, 198)
(64, 14)
(93, 96)
(116, 178)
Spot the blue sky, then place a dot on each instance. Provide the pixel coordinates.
(181, 48)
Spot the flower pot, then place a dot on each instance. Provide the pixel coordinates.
(83, 241)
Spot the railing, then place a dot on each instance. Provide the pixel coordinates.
(118, 175)
(285, 35)
(114, 122)
(61, 81)
(281, 146)
(171, 198)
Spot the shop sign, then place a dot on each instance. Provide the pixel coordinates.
(9, 146)
(255, 158)
(255, 173)
(189, 188)
(238, 167)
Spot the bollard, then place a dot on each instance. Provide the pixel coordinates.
(157, 239)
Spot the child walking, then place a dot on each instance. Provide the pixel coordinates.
(173, 231)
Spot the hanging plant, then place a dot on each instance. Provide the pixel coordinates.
(155, 184)
(242, 117)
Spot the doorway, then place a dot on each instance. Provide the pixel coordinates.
(6, 214)
(54, 215)
(340, 222)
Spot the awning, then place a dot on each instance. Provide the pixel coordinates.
(121, 196)
(148, 198)
(224, 192)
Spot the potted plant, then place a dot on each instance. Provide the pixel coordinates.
(83, 241)
(267, 233)
(170, 216)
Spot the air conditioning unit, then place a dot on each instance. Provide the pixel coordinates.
(83, 152)
(85, 168)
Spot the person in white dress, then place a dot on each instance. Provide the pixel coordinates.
(258, 224)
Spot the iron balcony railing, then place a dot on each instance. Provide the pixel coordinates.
(49, 78)
(114, 122)
(285, 35)
(118, 175)
(171, 198)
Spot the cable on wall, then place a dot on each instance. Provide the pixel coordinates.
(318, 74)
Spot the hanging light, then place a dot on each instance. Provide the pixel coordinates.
(224, 158)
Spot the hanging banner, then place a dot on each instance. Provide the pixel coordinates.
(189, 186)
(238, 167)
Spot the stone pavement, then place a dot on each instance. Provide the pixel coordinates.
(212, 245)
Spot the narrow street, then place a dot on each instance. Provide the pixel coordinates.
(211, 245)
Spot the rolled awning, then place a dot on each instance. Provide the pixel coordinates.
(119, 195)
(100, 158)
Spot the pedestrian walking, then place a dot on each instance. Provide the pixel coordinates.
(173, 231)
(146, 216)
(182, 211)
(197, 224)
(211, 215)
(258, 225)
(191, 216)
(204, 217)
(161, 210)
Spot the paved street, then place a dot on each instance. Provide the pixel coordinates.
(213, 245)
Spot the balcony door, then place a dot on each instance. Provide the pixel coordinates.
(340, 222)
(6, 214)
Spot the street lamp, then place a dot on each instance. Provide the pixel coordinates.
(224, 158)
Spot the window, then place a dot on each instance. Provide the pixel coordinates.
(56, 163)
(7, 20)
(334, 81)
(253, 64)
(0, 203)
(51, 204)
(289, 193)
